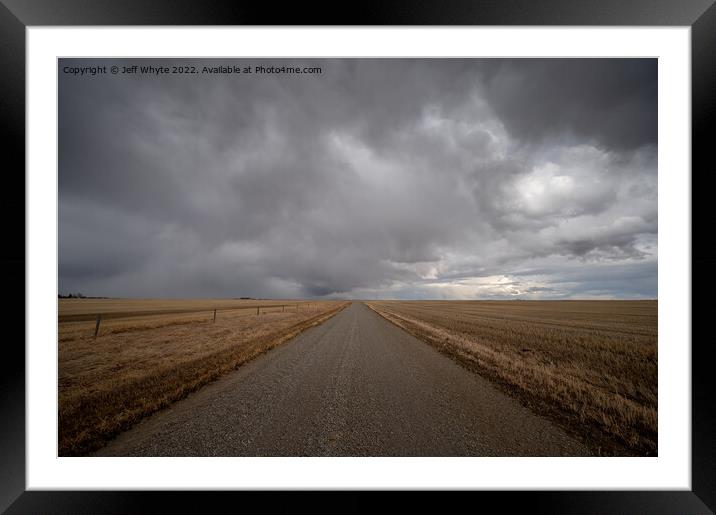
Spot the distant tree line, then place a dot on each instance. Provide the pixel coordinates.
(78, 296)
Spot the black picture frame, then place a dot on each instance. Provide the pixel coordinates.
(16, 15)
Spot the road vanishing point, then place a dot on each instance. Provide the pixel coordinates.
(355, 385)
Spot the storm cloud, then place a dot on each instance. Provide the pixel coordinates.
(375, 178)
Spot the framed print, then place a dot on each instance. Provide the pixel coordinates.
(437, 249)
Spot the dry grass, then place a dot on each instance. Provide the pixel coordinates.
(592, 365)
(139, 365)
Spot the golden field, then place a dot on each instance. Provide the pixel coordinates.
(590, 365)
(150, 353)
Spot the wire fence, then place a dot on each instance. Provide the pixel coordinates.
(212, 312)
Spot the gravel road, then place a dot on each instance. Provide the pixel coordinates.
(354, 386)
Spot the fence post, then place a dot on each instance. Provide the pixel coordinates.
(283, 308)
(214, 316)
(96, 327)
(257, 310)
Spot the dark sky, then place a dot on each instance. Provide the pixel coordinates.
(377, 178)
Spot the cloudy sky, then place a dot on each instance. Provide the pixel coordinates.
(390, 178)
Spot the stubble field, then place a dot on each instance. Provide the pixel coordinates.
(590, 365)
(150, 353)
